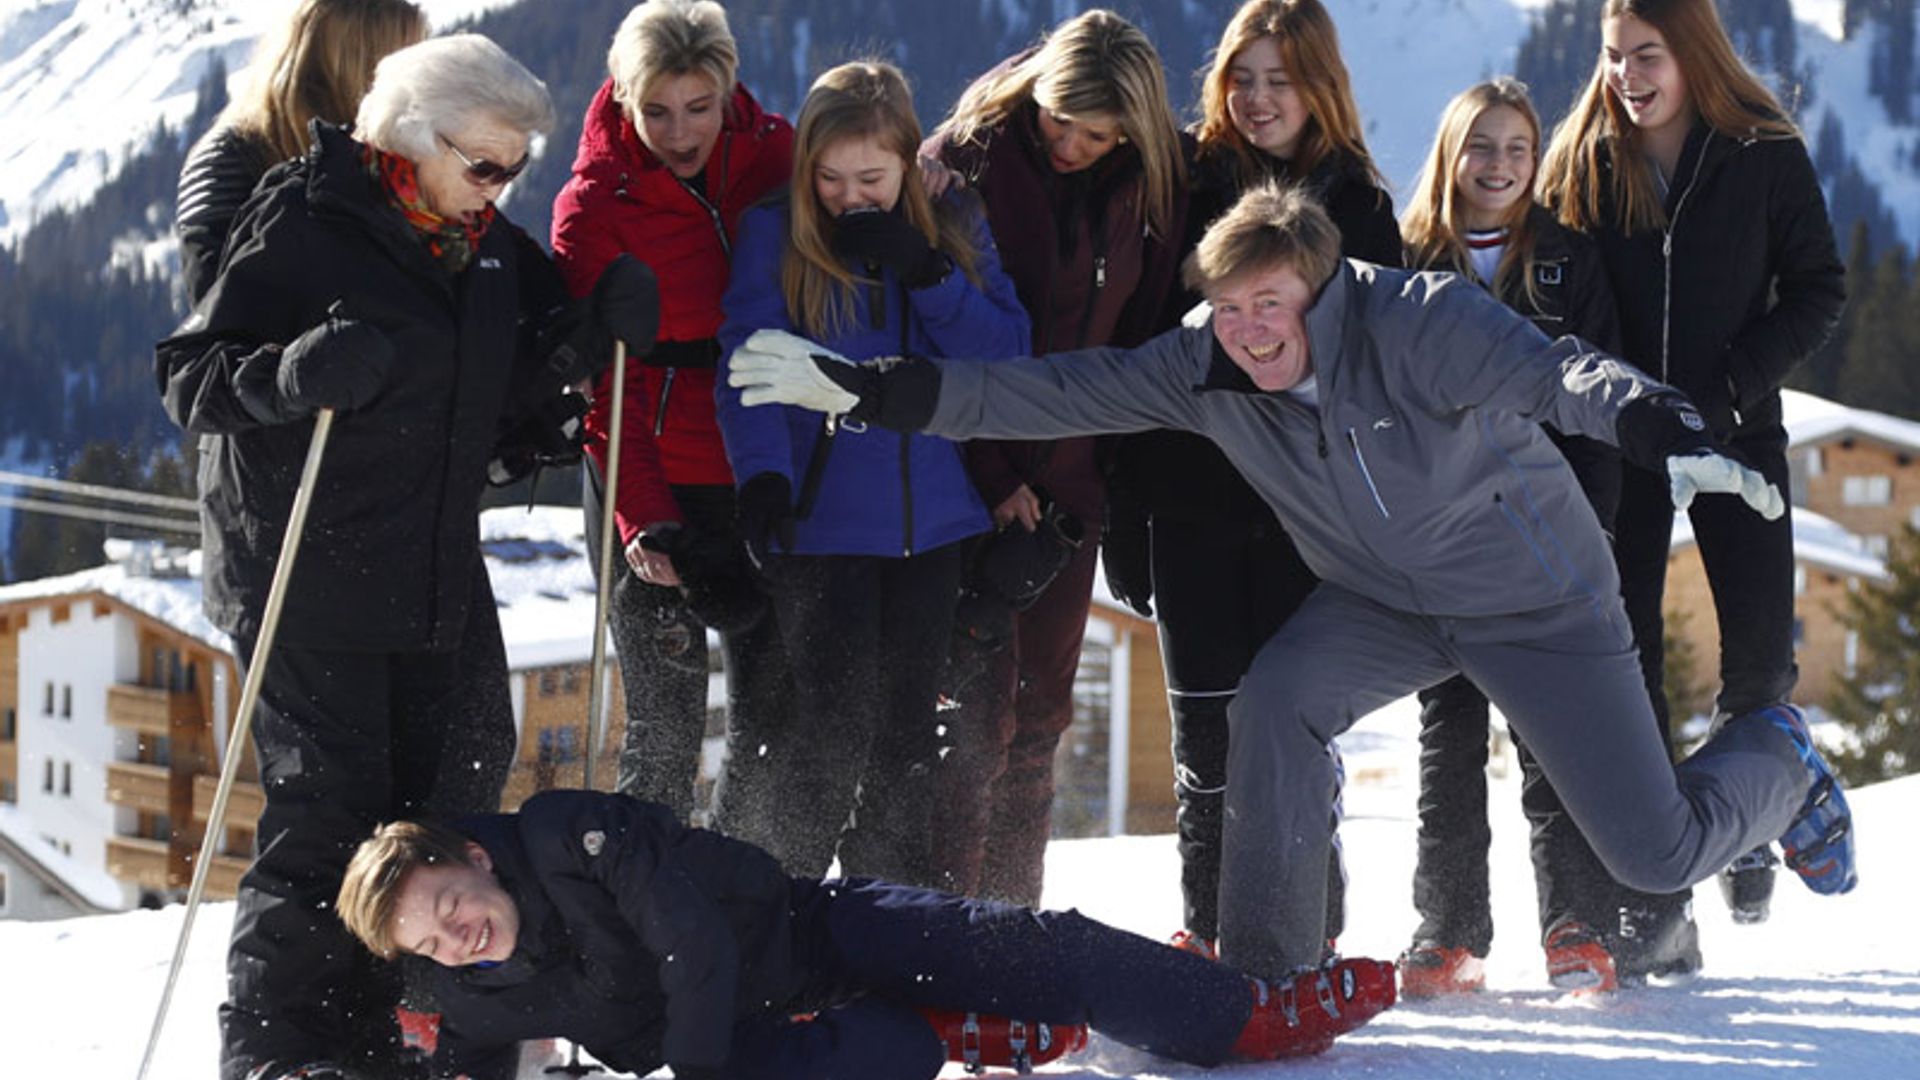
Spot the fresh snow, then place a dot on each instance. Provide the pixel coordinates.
(1829, 988)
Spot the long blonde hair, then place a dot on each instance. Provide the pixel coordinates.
(1434, 226)
(319, 63)
(1096, 63)
(863, 99)
(1310, 51)
(1726, 93)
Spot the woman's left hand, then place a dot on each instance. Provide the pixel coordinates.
(938, 179)
(1022, 506)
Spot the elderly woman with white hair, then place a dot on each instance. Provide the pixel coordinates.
(373, 277)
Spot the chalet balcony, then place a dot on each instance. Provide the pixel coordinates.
(138, 787)
(149, 711)
(243, 805)
(146, 863)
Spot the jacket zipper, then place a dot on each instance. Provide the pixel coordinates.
(1666, 262)
(726, 250)
(660, 413)
(1353, 439)
(906, 494)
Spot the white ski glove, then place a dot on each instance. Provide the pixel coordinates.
(774, 367)
(1706, 471)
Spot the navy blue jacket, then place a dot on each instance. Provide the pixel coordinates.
(882, 492)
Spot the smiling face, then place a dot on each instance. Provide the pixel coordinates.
(1260, 319)
(1644, 78)
(857, 173)
(455, 914)
(1495, 167)
(680, 121)
(445, 183)
(1265, 107)
(1077, 142)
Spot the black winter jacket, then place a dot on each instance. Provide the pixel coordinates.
(641, 939)
(1743, 284)
(391, 544)
(1185, 476)
(221, 171)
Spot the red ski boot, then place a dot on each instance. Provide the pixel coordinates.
(1301, 1016)
(983, 1042)
(1430, 969)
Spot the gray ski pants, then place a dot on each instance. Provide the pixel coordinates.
(1569, 682)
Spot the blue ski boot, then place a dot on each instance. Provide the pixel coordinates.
(1819, 843)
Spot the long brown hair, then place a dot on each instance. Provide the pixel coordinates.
(1434, 226)
(1310, 51)
(863, 99)
(1096, 63)
(319, 63)
(1726, 93)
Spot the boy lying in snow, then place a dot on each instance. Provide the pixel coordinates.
(602, 919)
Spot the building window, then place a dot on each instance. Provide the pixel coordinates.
(3, 892)
(1913, 518)
(66, 778)
(8, 793)
(1799, 632)
(1814, 461)
(570, 681)
(1866, 490)
(10, 732)
(1852, 653)
(47, 709)
(66, 702)
(1799, 580)
(46, 781)
(1875, 545)
(559, 745)
(549, 683)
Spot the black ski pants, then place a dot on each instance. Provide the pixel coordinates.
(345, 741)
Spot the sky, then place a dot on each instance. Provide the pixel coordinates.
(1827, 988)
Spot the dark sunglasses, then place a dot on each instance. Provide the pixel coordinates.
(486, 173)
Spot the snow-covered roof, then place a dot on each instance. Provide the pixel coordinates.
(1817, 539)
(172, 600)
(91, 883)
(1815, 419)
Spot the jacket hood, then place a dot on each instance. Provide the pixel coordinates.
(608, 137)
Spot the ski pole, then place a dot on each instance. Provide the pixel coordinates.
(596, 689)
(243, 718)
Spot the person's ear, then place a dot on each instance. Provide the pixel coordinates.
(477, 856)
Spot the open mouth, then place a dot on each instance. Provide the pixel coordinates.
(1637, 100)
(1498, 185)
(485, 939)
(1262, 354)
(683, 160)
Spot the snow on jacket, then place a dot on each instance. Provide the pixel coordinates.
(1422, 481)
(220, 173)
(1742, 285)
(622, 198)
(1085, 267)
(392, 540)
(641, 939)
(881, 492)
(1175, 474)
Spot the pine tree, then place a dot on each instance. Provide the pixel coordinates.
(1821, 373)
(1876, 703)
(1878, 371)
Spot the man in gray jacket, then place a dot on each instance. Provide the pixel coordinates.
(1392, 420)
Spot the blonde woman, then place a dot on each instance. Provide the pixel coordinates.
(1185, 529)
(1473, 213)
(317, 65)
(1698, 189)
(1073, 148)
(672, 151)
(857, 531)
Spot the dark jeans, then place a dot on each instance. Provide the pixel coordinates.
(346, 741)
(662, 649)
(1450, 875)
(846, 768)
(1221, 590)
(995, 786)
(1749, 566)
(879, 952)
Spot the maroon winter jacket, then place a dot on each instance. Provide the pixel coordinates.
(624, 199)
(1087, 270)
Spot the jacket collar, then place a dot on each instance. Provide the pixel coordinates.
(608, 138)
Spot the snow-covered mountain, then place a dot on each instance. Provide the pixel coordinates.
(83, 80)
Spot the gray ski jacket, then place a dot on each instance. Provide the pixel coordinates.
(1422, 480)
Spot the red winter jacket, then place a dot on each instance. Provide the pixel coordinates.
(622, 198)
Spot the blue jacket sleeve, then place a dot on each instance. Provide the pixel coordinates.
(756, 439)
(978, 321)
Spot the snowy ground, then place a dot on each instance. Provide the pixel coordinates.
(1828, 988)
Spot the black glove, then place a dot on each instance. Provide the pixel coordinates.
(715, 577)
(550, 433)
(1654, 428)
(875, 238)
(340, 364)
(764, 513)
(1126, 553)
(626, 303)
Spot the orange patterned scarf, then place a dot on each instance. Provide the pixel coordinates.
(451, 240)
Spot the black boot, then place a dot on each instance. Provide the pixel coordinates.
(1656, 939)
(1747, 885)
